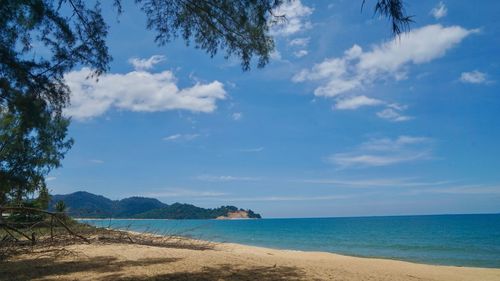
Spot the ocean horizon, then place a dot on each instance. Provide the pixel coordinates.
(455, 239)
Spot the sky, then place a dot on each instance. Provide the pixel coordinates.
(345, 120)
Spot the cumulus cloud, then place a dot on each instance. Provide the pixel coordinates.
(145, 64)
(385, 152)
(439, 11)
(356, 102)
(138, 91)
(473, 77)
(356, 69)
(296, 21)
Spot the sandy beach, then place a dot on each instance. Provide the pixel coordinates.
(225, 261)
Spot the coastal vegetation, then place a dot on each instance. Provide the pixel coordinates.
(87, 205)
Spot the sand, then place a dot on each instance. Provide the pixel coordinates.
(225, 261)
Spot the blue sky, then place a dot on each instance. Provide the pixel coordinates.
(345, 120)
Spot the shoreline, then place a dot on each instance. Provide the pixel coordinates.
(222, 261)
(296, 250)
(225, 261)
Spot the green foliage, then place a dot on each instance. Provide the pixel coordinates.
(43, 200)
(85, 204)
(128, 207)
(238, 27)
(188, 211)
(60, 206)
(32, 90)
(394, 10)
(31, 145)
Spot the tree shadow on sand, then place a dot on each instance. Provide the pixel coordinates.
(224, 272)
(109, 268)
(28, 269)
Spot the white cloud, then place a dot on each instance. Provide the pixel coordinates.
(145, 64)
(96, 161)
(212, 178)
(393, 112)
(439, 11)
(387, 144)
(356, 102)
(181, 137)
(237, 116)
(299, 42)
(357, 68)
(138, 91)
(419, 46)
(474, 77)
(348, 160)
(384, 152)
(300, 53)
(377, 183)
(275, 55)
(301, 45)
(50, 178)
(255, 149)
(296, 18)
(172, 137)
(393, 115)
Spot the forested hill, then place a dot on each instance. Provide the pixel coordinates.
(87, 205)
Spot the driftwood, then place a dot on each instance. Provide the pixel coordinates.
(53, 215)
(54, 233)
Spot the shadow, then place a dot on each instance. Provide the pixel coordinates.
(225, 272)
(109, 268)
(43, 267)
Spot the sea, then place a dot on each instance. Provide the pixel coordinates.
(459, 240)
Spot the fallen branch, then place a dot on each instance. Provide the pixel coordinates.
(53, 215)
(8, 227)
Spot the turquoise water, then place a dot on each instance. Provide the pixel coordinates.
(462, 240)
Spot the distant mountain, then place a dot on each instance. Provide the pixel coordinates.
(87, 205)
(132, 206)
